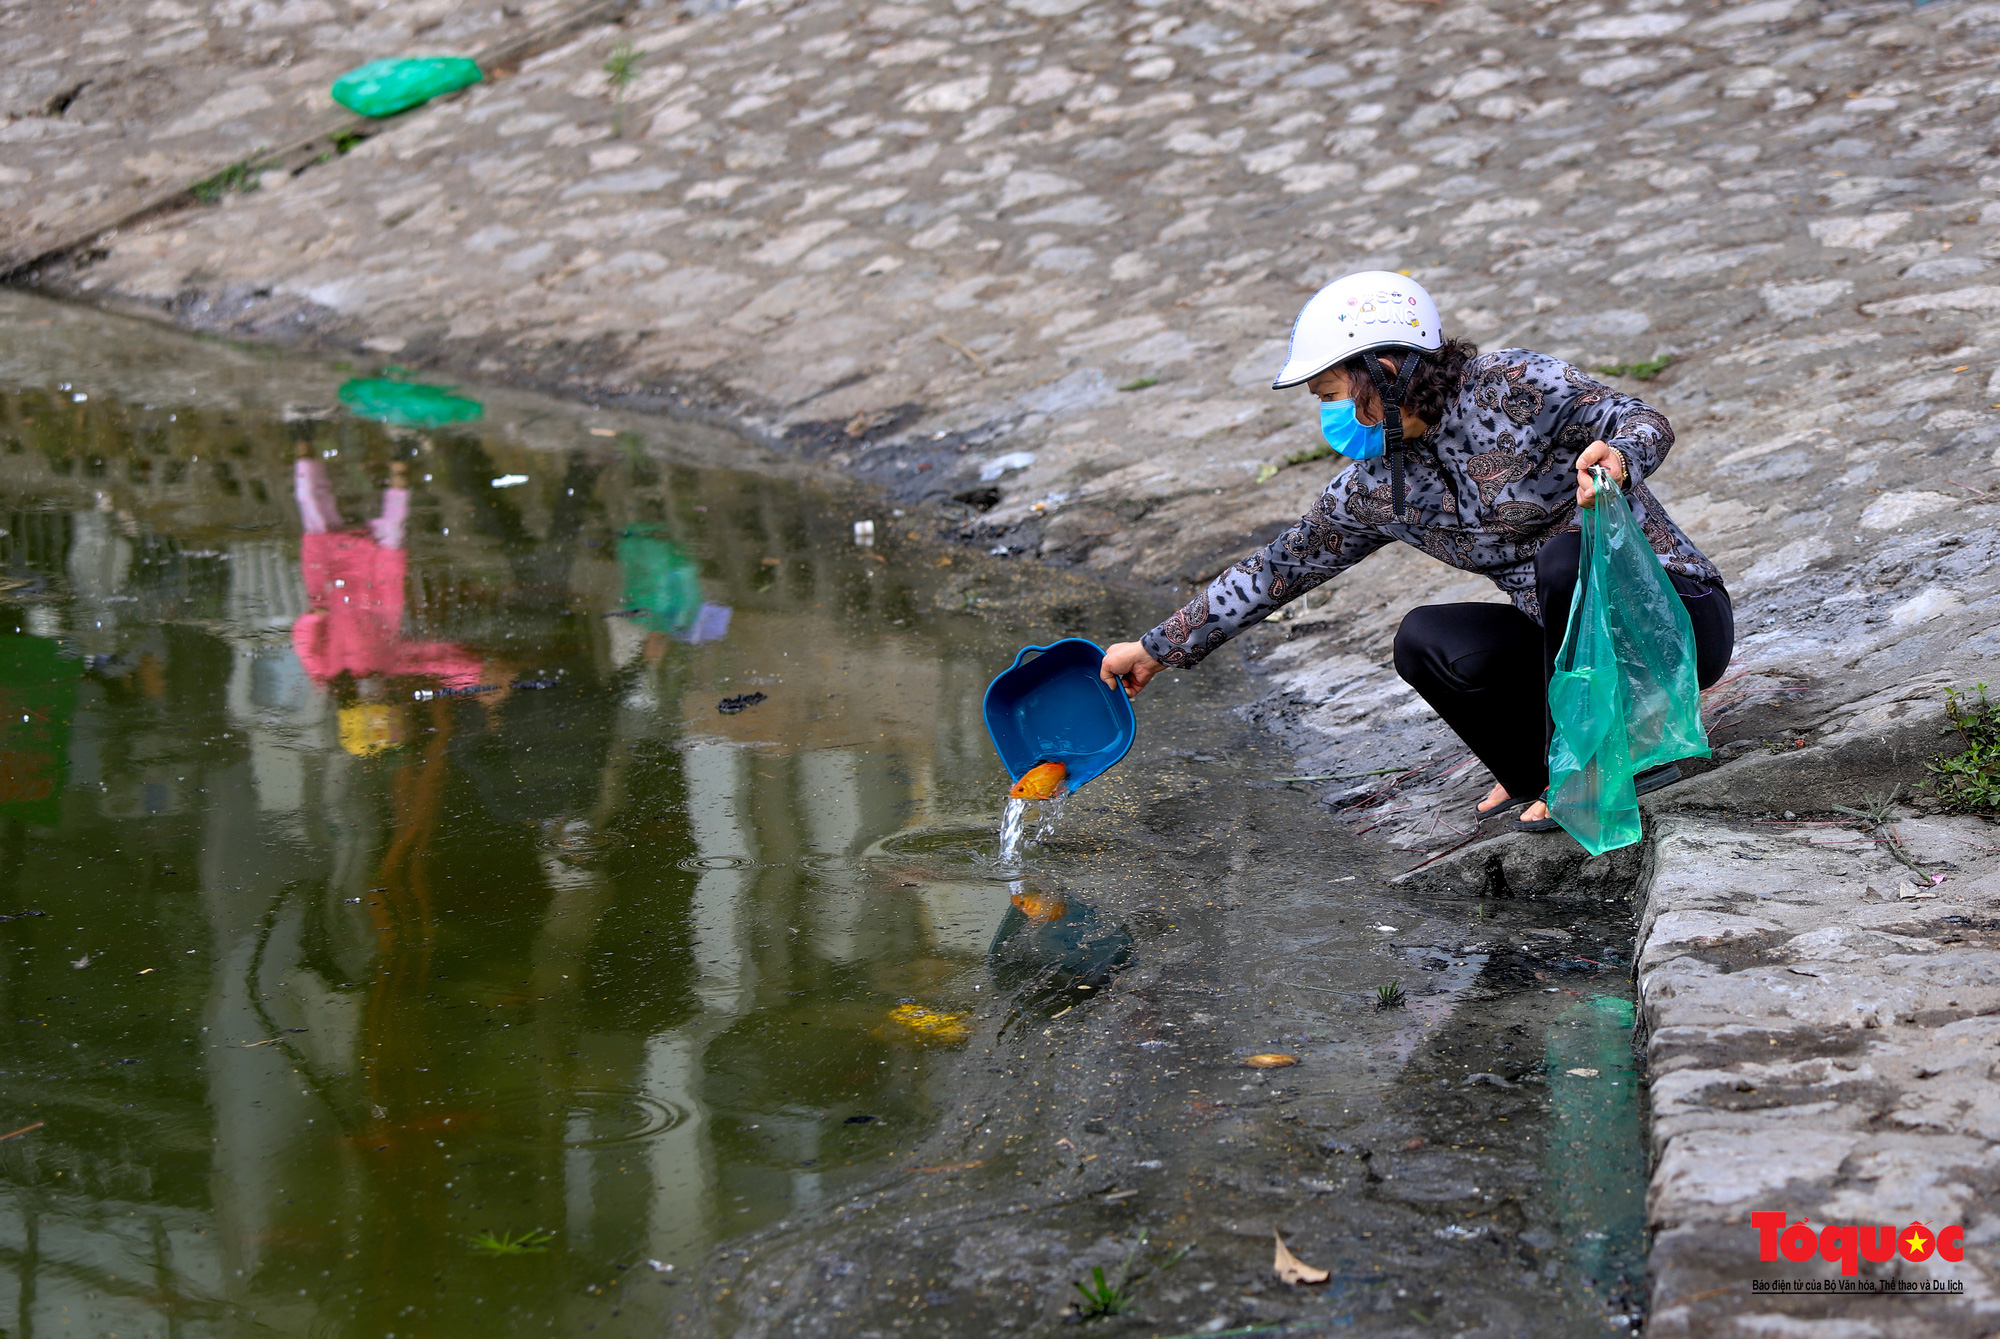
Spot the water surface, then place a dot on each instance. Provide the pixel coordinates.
(381, 894)
(464, 858)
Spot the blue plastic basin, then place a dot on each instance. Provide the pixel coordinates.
(1054, 708)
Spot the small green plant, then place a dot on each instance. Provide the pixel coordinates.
(1320, 452)
(1645, 371)
(1137, 384)
(344, 140)
(1970, 780)
(619, 71)
(1101, 1298)
(535, 1241)
(1390, 996)
(236, 177)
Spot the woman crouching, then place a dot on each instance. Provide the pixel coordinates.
(1481, 462)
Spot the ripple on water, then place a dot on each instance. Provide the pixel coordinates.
(587, 1118)
(580, 844)
(963, 841)
(695, 864)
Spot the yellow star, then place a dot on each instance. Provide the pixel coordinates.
(1916, 1242)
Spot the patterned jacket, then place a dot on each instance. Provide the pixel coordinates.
(1486, 488)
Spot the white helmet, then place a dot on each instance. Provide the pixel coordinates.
(1371, 310)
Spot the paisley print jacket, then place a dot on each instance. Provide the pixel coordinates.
(1486, 488)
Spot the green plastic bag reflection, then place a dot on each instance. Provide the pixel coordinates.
(1624, 695)
(385, 87)
(408, 404)
(660, 580)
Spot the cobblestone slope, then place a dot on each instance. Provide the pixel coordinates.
(107, 107)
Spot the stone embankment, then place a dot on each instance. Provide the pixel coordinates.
(1031, 265)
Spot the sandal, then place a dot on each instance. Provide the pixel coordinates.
(1664, 775)
(1509, 803)
(1654, 779)
(1537, 824)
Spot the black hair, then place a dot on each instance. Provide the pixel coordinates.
(1431, 388)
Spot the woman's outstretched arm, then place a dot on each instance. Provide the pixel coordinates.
(1325, 542)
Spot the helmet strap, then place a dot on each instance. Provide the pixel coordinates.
(1392, 395)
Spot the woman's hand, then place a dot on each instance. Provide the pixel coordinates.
(1129, 661)
(1597, 453)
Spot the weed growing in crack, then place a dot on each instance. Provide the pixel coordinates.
(1114, 1297)
(240, 177)
(1390, 996)
(1101, 1298)
(1644, 371)
(1970, 780)
(619, 72)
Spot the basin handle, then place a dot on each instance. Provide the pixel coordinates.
(1024, 653)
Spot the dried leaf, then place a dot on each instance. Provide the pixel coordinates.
(1291, 1269)
(1271, 1061)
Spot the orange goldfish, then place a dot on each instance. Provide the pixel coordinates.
(1041, 907)
(1040, 782)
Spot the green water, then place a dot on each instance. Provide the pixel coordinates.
(326, 971)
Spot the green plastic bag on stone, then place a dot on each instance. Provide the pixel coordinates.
(385, 87)
(1624, 695)
(408, 404)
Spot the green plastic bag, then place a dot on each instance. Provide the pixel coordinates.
(408, 404)
(1624, 695)
(385, 87)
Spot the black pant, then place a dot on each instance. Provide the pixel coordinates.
(1485, 668)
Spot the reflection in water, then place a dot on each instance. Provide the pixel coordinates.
(407, 404)
(370, 975)
(663, 588)
(1051, 950)
(1597, 1149)
(354, 584)
(37, 701)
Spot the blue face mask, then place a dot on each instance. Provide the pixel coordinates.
(1344, 434)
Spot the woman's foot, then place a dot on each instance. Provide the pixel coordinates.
(1497, 801)
(1535, 818)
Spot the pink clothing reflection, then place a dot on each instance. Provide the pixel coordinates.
(354, 582)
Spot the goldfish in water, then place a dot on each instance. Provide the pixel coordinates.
(1040, 782)
(1041, 907)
